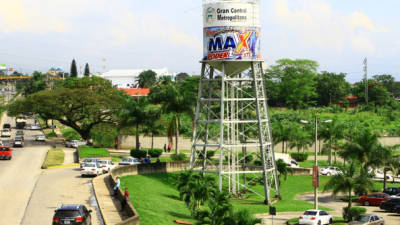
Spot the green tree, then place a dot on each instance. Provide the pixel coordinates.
(181, 77)
(153, 125)
(377, 93)
(79, 108)
(351, 179)
(296, 81)
(283, 168)
(74, 70)
(135, 113)
(87, 70)
(35, 84)
(147, 79)
(300, 139)
(332, 132)
(281, 132)
(386, 80)
(332, 88)
(176, 101)
(386, 157)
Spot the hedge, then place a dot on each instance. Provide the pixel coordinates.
(155, 153)
(299, 157)
(354, 212)
(179, 157)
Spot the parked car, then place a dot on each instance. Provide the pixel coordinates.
(397, 209)
(5, 152)
(20, 133)
(374, 199)
(91, 169)
(5, 133)
(72, 214)
(315, 217)
(395, 196)
(392, 190)
(35, 127)
(379, 175)
(130, 161)
(390, 204)
(106, 165)
(7, 126)
(89, 160)
(40, 137)
(368, 219)
(18, 142)
(330, 171)
(74, 143)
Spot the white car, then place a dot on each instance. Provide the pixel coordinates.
(5, 133)
(106, 165)
(315, 217)
(35, 127)
(89, 160)
(92, 169)
(130, 161)
(379, 174)
(330, 171)
(40, 137)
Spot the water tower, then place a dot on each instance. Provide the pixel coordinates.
(232, 112)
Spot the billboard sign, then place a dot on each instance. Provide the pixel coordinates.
(3, 67)
(231, 30)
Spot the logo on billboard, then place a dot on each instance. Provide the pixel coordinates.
(232, 44)
(210, 14)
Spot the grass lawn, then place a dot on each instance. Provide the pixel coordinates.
(164, 195)
(90, 152)
(55, 157)
(118, 158)
(321, 163)
(50, 134)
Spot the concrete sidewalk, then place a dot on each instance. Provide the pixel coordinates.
(109, 207)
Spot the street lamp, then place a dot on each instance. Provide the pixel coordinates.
(315, 167)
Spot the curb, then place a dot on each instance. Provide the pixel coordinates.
(64, 166)
(97, 199)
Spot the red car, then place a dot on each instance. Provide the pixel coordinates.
(374, 198)
(5, 152)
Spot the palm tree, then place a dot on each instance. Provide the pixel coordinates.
(300, 139)
(134, 113)
(331, 133)
(387, 158)
(351, 179)
(363, 148)
(220, 210)
(283, 168)
(153, 125)
(176, 101)
(281, 133)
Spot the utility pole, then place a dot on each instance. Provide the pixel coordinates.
(366, 79)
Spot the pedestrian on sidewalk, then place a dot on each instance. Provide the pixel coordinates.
(146, 160)
(125, 200)
(116, 144)
(117, 184)
(169, 147)
(165, 147)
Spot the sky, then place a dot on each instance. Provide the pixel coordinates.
(132, 34)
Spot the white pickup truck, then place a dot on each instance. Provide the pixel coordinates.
(287, 159)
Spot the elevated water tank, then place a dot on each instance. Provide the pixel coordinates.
(231, 33)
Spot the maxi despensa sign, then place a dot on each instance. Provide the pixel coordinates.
(231, 30)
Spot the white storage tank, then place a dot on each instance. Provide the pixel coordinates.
(231, 32)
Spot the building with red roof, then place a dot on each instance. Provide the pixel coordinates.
(136, 92)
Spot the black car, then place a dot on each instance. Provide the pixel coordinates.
(7, 126)
(72, 214)
(390, 205)
(392, 190)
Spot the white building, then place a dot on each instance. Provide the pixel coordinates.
(128, 78)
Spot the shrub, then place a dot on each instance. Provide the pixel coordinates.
(179, 157)
(155, 153)
(299, 157)
(50, 134)
(138, 153)
(354, 211)
(210, 154)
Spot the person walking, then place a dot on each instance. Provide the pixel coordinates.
(165, 147)
(125, 200)
(117, 184)
(169, 147)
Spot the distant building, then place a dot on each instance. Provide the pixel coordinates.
(128, 78)
(55, 72)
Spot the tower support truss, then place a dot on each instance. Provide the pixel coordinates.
(232, 124)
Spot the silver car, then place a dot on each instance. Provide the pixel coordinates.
(368, 219)
(130, 161)
(89, 160)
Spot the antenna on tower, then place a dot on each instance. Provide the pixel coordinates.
(366, 79)
(104, 64)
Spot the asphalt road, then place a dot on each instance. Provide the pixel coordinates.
(18, 176)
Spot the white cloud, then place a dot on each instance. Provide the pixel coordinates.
(316, 24)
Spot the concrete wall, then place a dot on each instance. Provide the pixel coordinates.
(129, 142)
